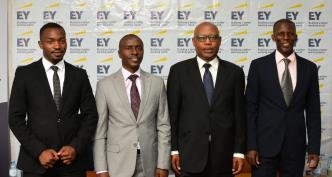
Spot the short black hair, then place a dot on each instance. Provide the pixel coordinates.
(284, 20)
(129, 36)
(49, 25)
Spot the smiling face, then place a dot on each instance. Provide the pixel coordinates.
(206, 41)
(131, 52)
(53, 43)
(284, 35)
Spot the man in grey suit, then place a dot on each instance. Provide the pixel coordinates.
(133, 131)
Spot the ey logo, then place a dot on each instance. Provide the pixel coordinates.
(237, 41)
(238, 12)
(158, 12)
(22, 13)
(103, 41)
(211, 13)
(50, 14)
(315, 40)
(24, 39)
(77, 41)
(185, 12)
(291, 13)
(184, 39)
(104, 69)
(158, 41)
(315, 12)
(264, 13)
(264, 39)
(157, 68)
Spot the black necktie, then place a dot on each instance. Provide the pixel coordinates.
(286, 83)
(56, 87)
(208, 82)
(134, 95)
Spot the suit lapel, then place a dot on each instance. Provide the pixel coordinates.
(300, 70)
(221, 80)
(195, 76)
(146, 87)
(66, 84)
(272, 68)
(45, 86)
(120, 89)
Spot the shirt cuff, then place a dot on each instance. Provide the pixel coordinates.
(174, 152)
(239, 155)
(103, 171)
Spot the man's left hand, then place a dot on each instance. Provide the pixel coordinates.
(237, 165)
(313, 160)
(67, 154)
(161, 172)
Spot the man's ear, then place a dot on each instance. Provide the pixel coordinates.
(40, 44)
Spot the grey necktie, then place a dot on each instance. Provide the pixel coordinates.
(56, 87)
(208, 82)
(134, 95)
(286, 83)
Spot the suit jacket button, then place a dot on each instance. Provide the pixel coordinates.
(59, 120)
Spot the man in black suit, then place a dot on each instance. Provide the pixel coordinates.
(206, 102)
(282, 87)
(52, 111)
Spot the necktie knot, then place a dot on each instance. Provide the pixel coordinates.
(133, 77)
(286, 61)
(54, 68)
(207, 66)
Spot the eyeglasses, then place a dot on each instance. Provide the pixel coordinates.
(212, 38)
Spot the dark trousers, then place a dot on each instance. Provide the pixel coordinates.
(57, 172)
(288, 163)
(209, 170)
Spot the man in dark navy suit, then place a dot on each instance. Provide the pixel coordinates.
(283, 104)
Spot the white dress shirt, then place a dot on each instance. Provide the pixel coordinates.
(49, 73)
(213, 70)
(128, 82)
(292, 67)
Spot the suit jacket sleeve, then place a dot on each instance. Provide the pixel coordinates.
(88, 115)
(18, 106)
(174, 101)
(252, 99)
(164, 130)
(313, 116)
(239, 114)
(99, 146)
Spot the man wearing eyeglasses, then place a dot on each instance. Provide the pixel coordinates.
(207, 111)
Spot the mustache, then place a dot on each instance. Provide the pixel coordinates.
(57, 51)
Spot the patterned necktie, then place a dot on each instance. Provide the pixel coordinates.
(286, 83)
(208, 82)
(134, 95)
(56, 87)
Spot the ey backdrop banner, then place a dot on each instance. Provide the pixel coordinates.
(94, 28)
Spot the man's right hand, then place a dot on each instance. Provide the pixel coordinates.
(104, 174)
(48, 157)
(253, 158)
(176, 164)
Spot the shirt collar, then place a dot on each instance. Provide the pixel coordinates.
(126, 73)
(279, 57)
(47, 65)
(214, 62)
